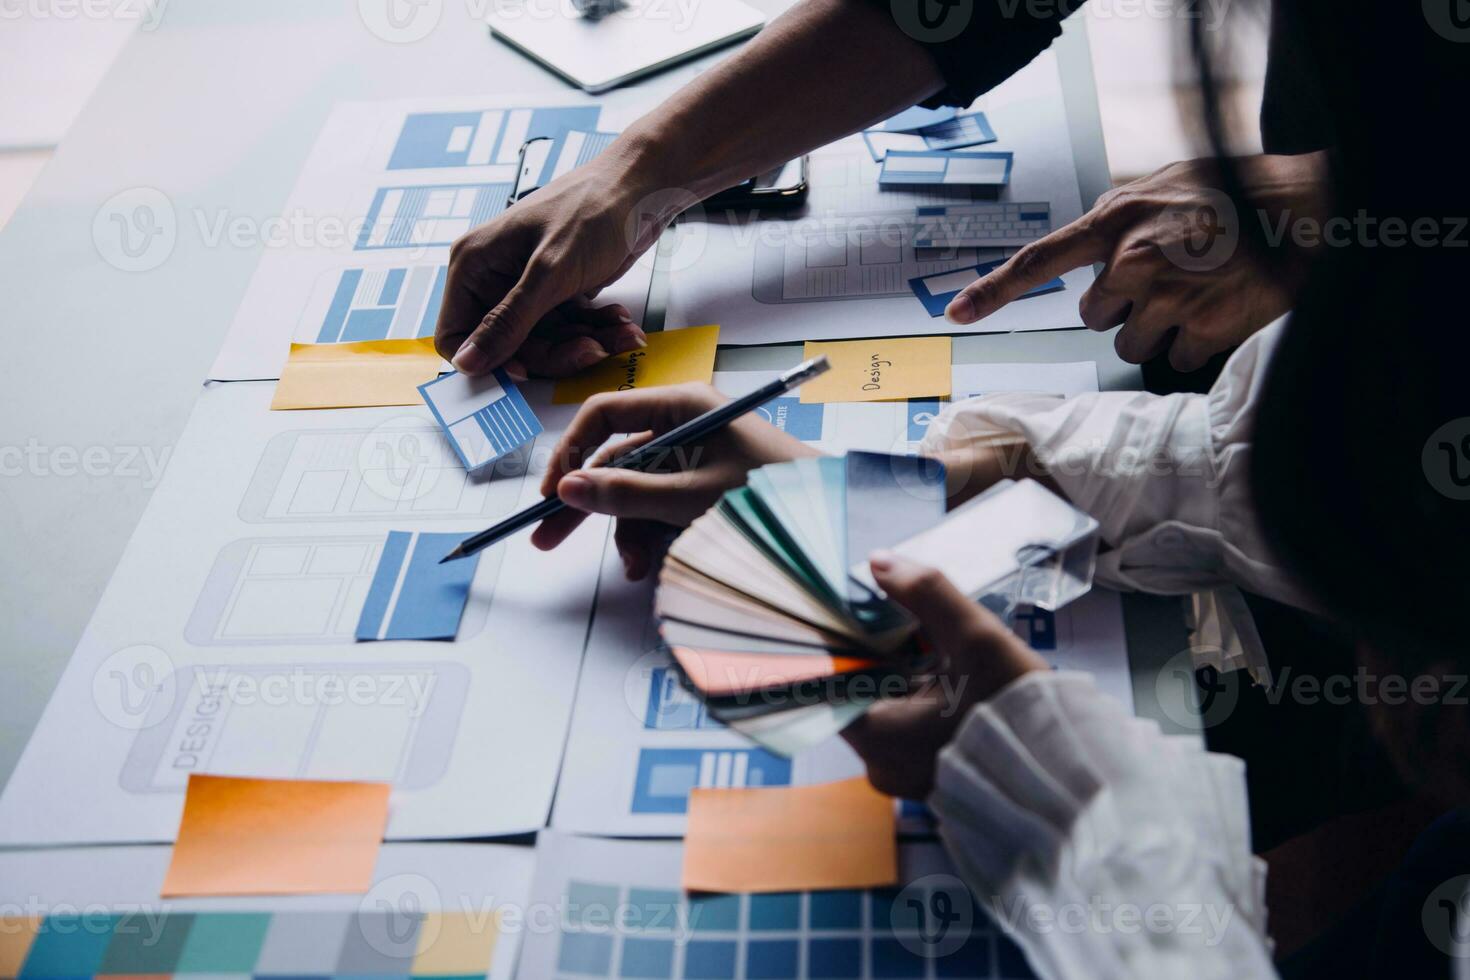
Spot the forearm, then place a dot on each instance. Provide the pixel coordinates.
(824, 69)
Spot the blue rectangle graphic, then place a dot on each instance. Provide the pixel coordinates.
(412, 596)
(421, 217)
(665, 776)
(431, 140)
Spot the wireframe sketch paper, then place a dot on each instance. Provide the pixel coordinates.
(840, 268)
(387, 189)
(226, 642)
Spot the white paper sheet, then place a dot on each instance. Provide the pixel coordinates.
(488, 885)
(361, 249)
(836, 269)
(622, 913)
(224, 641)
(639, 741)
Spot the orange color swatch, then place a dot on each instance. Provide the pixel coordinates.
(721, 673)
(277, 837)
(787, 839)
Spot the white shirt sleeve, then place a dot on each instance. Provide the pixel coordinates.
(1165, 476)
(1103, 847)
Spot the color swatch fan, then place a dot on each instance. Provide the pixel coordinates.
(767, 608)
(758, 610)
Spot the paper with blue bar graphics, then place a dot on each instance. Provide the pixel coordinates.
(969, 167)
(360, 249)
(484, 419)
(413, 596)
(971, 129)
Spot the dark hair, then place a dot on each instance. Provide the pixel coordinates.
(1354, 490)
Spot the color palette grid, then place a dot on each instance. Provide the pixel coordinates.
(156, 943)
(609, 930)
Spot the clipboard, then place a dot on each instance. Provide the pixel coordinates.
(637, 39)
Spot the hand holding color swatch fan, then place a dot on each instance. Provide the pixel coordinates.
(766, 605)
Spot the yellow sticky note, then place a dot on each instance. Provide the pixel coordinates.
(789, 839)
(457, 943)
(883, 369)
(672, 357)
(355, 375)
(277, 837)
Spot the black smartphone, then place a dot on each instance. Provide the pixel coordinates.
(783, 187)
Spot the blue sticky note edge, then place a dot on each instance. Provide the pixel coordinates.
(916, 117)
(935, 303)
(872, 150)
(987, 134)
(422, 601)
(895, 157)
(513, 393)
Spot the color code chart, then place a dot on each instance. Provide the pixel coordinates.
(612, 930)
(300, 944)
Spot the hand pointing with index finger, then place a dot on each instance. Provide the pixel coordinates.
(1174, 274)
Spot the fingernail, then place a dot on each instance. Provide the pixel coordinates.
(575, 490)
(880, 561)
(629, 342)
(515, 371)
(591, 356)
(960, 310)
(470, 359)
(623, 315)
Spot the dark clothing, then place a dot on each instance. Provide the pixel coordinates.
(977, 44)
(1404, 927)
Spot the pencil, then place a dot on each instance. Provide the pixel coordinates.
(650, 452)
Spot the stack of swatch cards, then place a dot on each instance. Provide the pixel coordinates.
(769, 611)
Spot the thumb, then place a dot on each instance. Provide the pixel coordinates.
(965, 633)
(503, 330)
(672, 498)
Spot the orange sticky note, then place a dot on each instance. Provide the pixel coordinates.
(880, 369)
(788, 839)
(356, 375)
(16, 935)
(277, 837)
